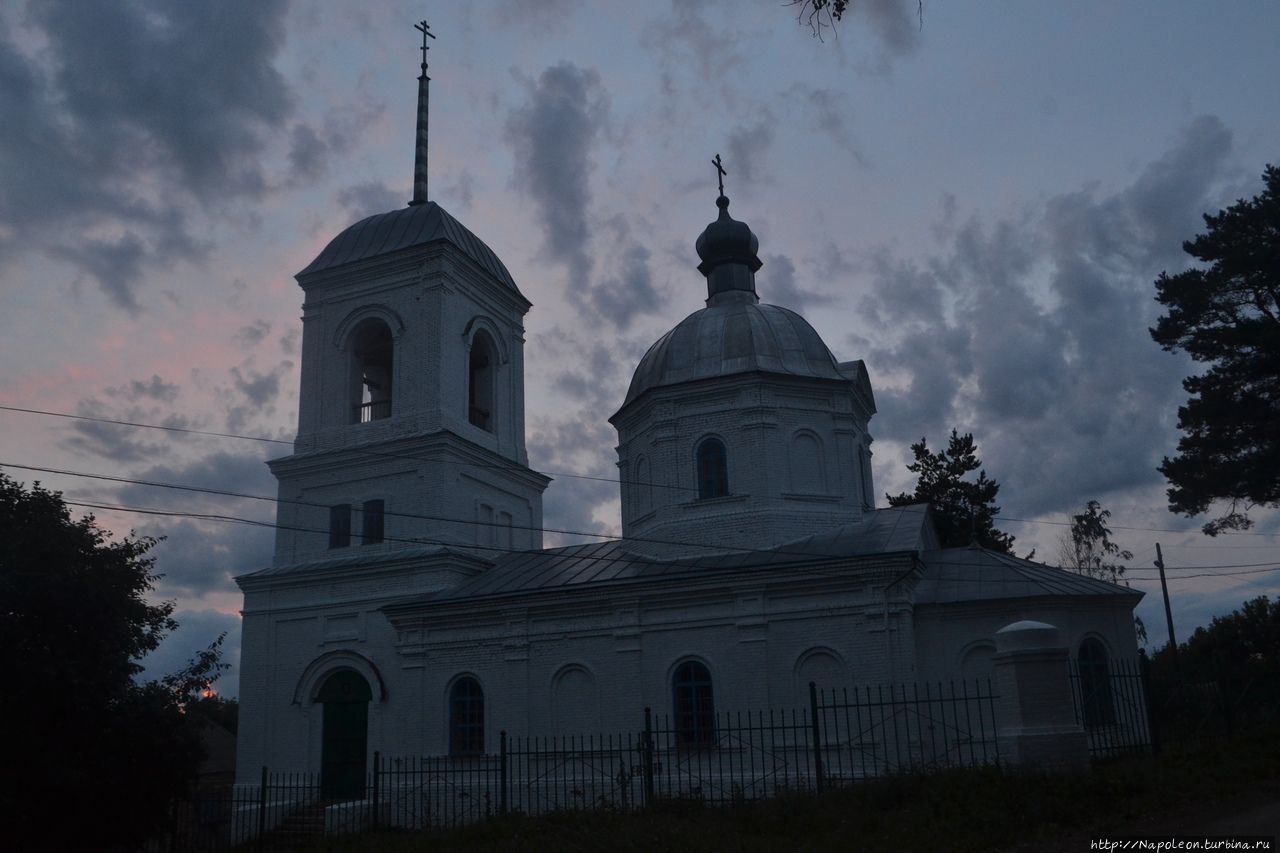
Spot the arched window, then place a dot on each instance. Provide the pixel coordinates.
(481, 366)
(466, 717)
(1095, 685)
(713, 469)
(695, 715)
(345, 697)
(371, 360)
(808, 474)
(642, 488)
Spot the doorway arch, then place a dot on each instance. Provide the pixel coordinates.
(344, 698)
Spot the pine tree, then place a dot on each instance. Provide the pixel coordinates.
(963, 510)
(1228, 317)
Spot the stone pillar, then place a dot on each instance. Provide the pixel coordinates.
(1035, 714)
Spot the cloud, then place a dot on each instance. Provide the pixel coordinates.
(369, 198)
(749, 148)
(115, 104)
(630, 292)
(253, 334)
(308, 155)
(776, 282)
(1032, 332)
(154, 388)
(827, 111)
(551, 137)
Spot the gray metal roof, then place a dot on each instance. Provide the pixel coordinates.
(737, 337)
(406, 228)
(894, 529)
(355, 558)
(953, 575)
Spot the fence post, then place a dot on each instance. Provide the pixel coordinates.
(502, 773)
(262, 809)
(817, 736)
(377, 780)
(646, 757)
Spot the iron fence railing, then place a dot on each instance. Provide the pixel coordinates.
(845, 735)
(1111, 704)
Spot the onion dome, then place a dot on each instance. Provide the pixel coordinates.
(728, 249)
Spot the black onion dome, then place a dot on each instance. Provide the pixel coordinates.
(407, 228)
(727, 241)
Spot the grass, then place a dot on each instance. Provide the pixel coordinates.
(971, 810)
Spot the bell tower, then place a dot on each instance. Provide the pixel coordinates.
(411, 408)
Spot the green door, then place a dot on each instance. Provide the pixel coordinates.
(345, 697)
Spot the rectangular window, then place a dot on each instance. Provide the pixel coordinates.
(340, 526)
(371, 529)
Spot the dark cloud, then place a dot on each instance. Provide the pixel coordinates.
(243, 471)
(551, 137)
(827, 111)
(121, 442)
(1032, 333)
(582, 444)
(776, 284)
(115, 104)
(749, 147)
(630, 292)
(253, 393)
(308, 155)
(706, 41)
(361, 200)
(253, 334)
(154, 388)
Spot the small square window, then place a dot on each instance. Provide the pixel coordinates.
(340, 526)
(372, 524)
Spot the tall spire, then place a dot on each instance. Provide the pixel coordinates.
(420, 151)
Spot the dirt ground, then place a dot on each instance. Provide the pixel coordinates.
(1250, 815)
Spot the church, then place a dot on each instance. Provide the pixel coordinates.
(411, 608)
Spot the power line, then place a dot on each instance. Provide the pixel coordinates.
(811, 562)
(448, 520)
(563, 474)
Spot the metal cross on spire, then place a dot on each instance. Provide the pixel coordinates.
(424, 28)
(720, 173)
(420, 148)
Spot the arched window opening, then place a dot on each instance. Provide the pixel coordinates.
(694, 707)
(642, 487)
(1095, 685)
(345, 698)
(808, 474)
(466, 717)
(482, 364)
(371, 352)
(713, 469)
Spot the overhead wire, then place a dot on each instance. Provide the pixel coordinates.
(809, 561)
(471, 522)
(563, 474)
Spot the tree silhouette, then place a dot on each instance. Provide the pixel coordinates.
(963, 510)
(1227, 316)
(93, 758)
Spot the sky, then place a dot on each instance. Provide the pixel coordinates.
(973, 198)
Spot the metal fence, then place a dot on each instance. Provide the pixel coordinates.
(1111, 705)
(845, 735)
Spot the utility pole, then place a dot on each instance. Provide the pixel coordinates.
(1168, 611)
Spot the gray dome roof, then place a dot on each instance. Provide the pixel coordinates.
(734, 337)
(416, 225)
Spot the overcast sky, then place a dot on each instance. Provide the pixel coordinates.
(976, 205)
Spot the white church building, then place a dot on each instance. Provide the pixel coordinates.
(411, 608)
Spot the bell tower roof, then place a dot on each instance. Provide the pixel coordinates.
(407, 228)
